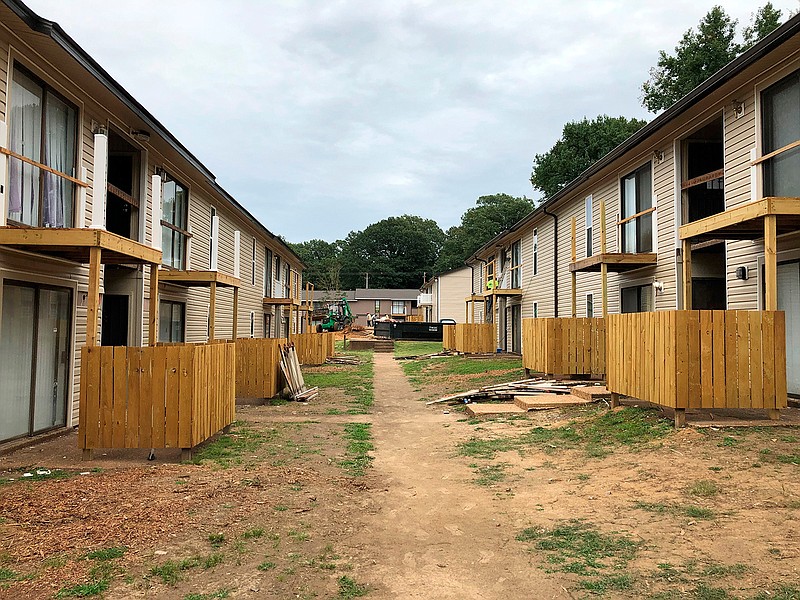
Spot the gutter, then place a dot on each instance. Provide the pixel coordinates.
(555, 259)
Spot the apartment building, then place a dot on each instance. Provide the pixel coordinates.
(111, 231)
(699, 209)
(442, 296)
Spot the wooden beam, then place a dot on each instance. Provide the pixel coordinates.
(646, 211)
(603, 266)
(43, 167)
(212, 311)
(616, 261)
(733, 216)
(702, 179)
(93, 301)
(574, 297)
(686, 257)
(770, 263)
(761, 159)
(235, 313)
(199, 278)
(153, 329)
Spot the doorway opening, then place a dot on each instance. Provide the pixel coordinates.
(124, 171)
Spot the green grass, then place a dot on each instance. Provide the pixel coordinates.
(680, 510)
(577, 547)
(228, 449)
(490, 474)
(353, 380)
(439, 371)
(705, 488)
(349, 588)
(596, 435)
(104, 554)
(358, 437)
(219, 594)
(7, 574)
(84, 590)
(786, 592)
(409, 348)
(266, 566)
(171, 571)
(216, 540)
(251, 534)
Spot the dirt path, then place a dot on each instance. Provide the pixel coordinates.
(433, 534)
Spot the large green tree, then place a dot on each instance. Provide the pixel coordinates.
(491, 215)
(581, 144)
(396, 252)
(702, 52)
(323, 263)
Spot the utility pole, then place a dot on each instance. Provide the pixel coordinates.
(367, 274)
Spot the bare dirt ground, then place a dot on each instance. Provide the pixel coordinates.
(448, 508)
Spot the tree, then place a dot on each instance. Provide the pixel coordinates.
(701, 53)
(396, 252)
(323, 263)
(491, 215)
(766, 20)
(582, 143)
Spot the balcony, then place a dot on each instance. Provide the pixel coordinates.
(615, 262)
(425, 299)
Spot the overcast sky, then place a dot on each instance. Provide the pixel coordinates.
(323, 117)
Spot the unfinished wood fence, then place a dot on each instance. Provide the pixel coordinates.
(155, 396)
(567, 346)
(258, 367)
(414, 319)
(474, 338)
(699, 358)
(448, 337)
(313, 348)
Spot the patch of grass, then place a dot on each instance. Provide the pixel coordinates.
(358, 436)
(681, 510)
(353, 380)
(607, 583)
(84, 590)
(705, 488)
(409, 348)
(212, 560)
(729, 441)
(266, 566)
(251, 534)
(631, 427)
(490, 474)
(791, 459)
(216, 540)
(7, 574)
(171, 571)
(349, 588)
(718, 570)
(577, 547)
(299, 536)
(786, 592)
(107, 553)
(583, 476)
(219, 594)
(445, 371)
(281, 508)
(17, 475)
(706, 592)
(227, 449)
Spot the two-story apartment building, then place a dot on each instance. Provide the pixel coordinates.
(442, 296)
(698, 209)
(111, 231)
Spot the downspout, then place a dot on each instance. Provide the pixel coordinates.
(555, 258)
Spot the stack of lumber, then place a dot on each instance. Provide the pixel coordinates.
(342, 360)
(290, 367)
(511, 390)
(421, 356)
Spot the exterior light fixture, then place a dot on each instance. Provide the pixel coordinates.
(741, 273)
(140, 134)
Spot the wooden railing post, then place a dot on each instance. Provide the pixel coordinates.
(770, 263)
(686, 256)
(153, 330)
(603, 265)
(574, 274)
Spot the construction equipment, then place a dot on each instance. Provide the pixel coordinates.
(338, 317)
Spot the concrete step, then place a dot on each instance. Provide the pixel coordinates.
(591, 392)
(493, 409)
(544, 401)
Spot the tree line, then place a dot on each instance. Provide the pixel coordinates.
(400, 252)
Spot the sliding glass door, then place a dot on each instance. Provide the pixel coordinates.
(34, 358)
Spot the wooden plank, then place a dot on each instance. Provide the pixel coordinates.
(82, 401)
(693, 366)
(118, 373)
(732, 216)
(689, 183)
(93, 298)
(158, 390)
(768, 358)
(743, 353)
(755, 360)
(780, 360)
(642, 213)
(91, 373)
(132, 426)
(706, 359)
(718, 358)
(770, 262)
(42, 166)
(761, 159)
(185, 393)
(212, 311)
(731, 361)
(106, 396)
(172, 368)
(672, 359)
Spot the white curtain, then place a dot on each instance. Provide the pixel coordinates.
(25, 139)
(16, 361)
(59, 153)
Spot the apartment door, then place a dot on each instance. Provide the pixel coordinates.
(115, 320)
(516, 329)
(789, 301)
(34, 358)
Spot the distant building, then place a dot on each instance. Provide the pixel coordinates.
(398, 304)
(442, 296)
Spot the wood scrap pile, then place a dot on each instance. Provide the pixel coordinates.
(421, 356)
(507, 391)
(342, 360)
(290, 367)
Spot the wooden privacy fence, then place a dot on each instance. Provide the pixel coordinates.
(258, 367)
(155, 396)
(414, 319)
(699, 358)
(474, 338)
(448, 337)
(567, 346)
(313, 348)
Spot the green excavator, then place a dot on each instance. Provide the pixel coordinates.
(337, 317)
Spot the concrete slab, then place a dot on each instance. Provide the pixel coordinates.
(545, 401)
(487, 410)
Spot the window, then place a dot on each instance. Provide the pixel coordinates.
(637, 198)
(377, 307)
(398, 307)
(211, 237)
(171, 321)
(253, 276)
(535, 252)
(43, 129)
(267, 325)
(267, 273)
(638, 298)
(516, 265)
(535, 310)
(174, 223)
(287, 280)
(781, 127)
(589, 306)
(252, 324)
(588, 221)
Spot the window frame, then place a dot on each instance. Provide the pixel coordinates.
(516, 265)
(213, 213)
(172, 304)
(402, 304)
(170, 230)
(590, 305)
(535, 309)
(588, 216)
(46, 90)
(641, 213)
(767, 145)
(639, 297)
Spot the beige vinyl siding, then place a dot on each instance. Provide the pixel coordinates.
(538, 288)
(3, 78)
(449, 293)
(664, 190)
